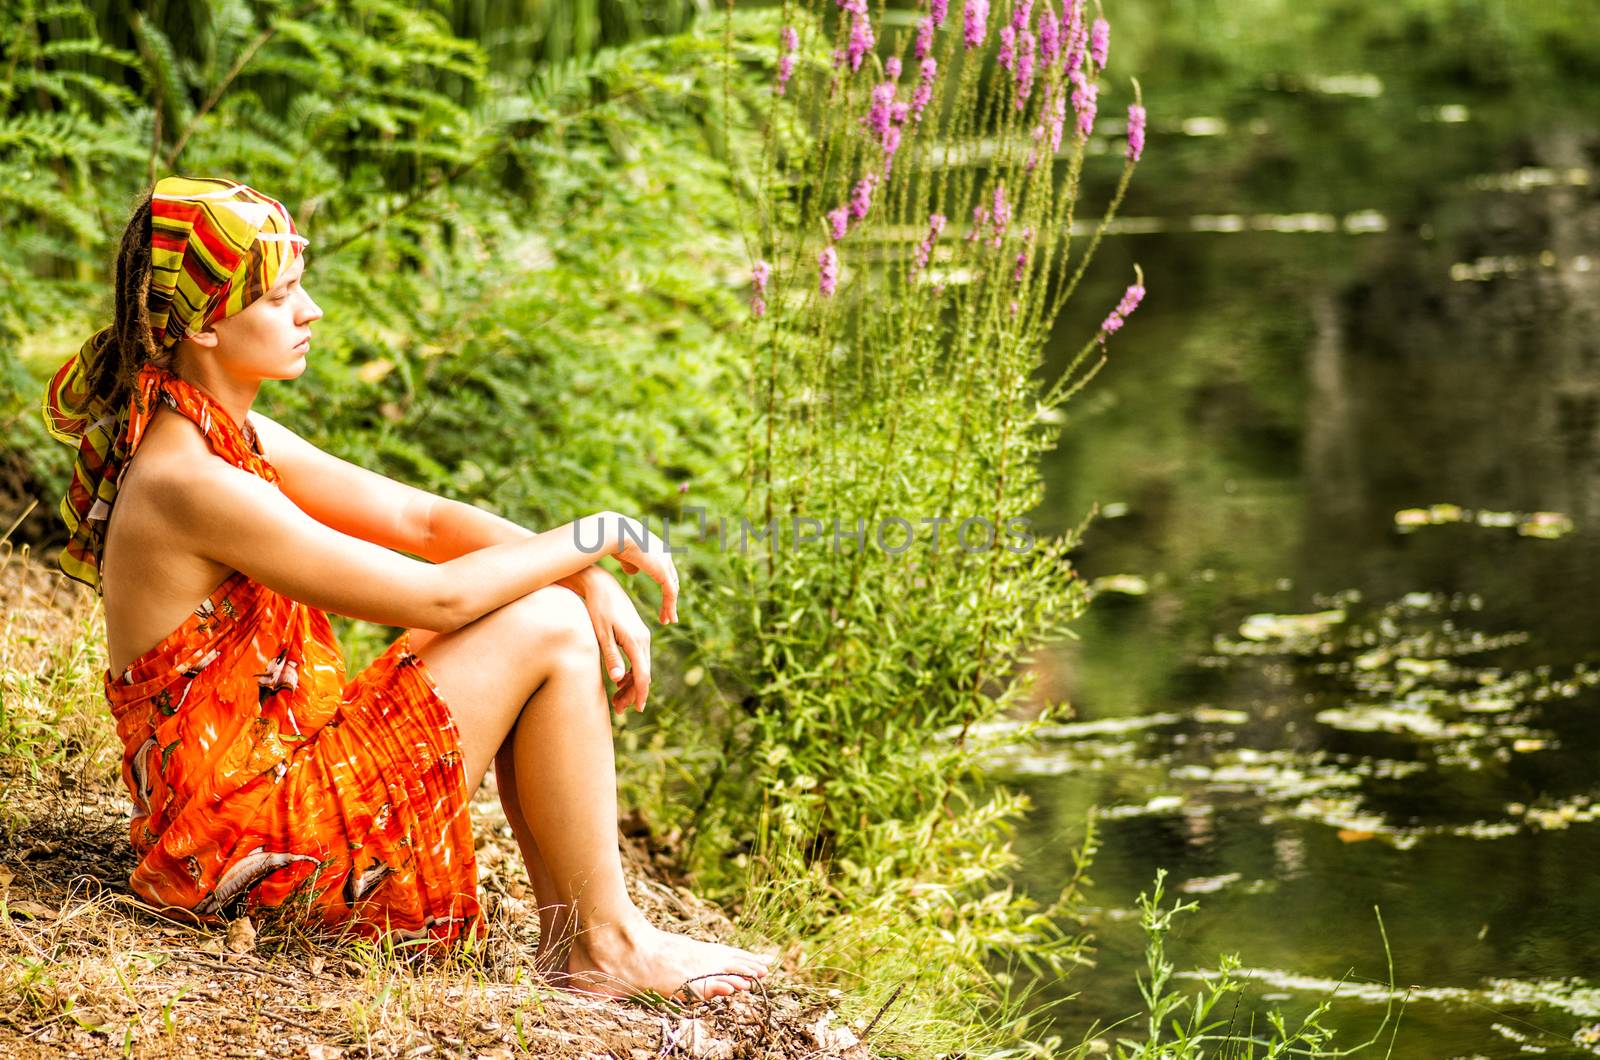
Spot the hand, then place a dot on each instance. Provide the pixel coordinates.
(621, 632)
(651, 557)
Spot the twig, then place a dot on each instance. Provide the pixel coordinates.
(296, 1024)
(227, 79)
(218, 966)
(892, 999)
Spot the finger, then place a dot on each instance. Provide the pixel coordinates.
(641, 679)
(623, 695)
(612, 656)
(669, 594)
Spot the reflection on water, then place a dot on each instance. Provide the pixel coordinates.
(1343, 654)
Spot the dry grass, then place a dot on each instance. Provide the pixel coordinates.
(87, 970)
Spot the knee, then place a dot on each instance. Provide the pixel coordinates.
(553, 620)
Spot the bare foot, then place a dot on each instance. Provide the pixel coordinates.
(621, 962)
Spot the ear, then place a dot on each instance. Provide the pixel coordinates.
(206, 338)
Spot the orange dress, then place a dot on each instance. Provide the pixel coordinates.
(263, 779)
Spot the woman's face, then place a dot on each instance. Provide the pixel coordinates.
(270, 337)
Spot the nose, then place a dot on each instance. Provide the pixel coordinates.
(311, 313)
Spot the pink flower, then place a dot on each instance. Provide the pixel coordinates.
(861, 197)
(938, 10)
(1074, 36)
(1008, 48)
(1049, 38)
(924, 92)
(980, 217)
(891, 68)
(1002, 213)
(975, 22)
(791, 43)
(760, 273)
(877, 118)
(924, 46)
(838, 222)
(1100, 42)
(925, 248)
(861, 39)
(1058, 119)
(1136, 118)
(1084, 95)
(891, 144)
(1021, 258)
(827, 272)
(1022, 14)
(1025, 69)
(1130, 302)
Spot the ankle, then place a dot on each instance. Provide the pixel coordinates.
(615, 935)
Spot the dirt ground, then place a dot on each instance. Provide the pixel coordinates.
(86, 970)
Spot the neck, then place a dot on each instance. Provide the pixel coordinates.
(234, 394)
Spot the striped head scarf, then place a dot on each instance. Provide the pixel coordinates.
(215, 247)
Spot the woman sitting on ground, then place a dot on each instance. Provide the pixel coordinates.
(264, 779)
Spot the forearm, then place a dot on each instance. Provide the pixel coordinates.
(454, 529)
(492, 576)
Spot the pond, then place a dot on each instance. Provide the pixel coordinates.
(1343, 659)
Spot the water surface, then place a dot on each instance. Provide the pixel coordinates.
(1348, 455)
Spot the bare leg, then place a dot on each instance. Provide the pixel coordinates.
(564, 779)
(556, 925)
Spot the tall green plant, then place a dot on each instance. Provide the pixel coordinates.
(909, 221)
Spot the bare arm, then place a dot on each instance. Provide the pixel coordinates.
(243, 521)
(376, 508)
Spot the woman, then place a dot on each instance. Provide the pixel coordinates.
(262, 778)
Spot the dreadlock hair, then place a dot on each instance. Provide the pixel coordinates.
(128, 344)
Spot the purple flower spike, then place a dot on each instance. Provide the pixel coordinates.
(1021, 15)
(1130, 302)
(1100, 42)
(878, 113)
(1025, 53)
(980, 217)
(1008, 48)
(1084, 95)
(760, 273)
(1049, 38)
(861, 197)
(924, 93)
(891, 144)
(1058, 120)
(791, 43)
(939, 10)
(1074, 36)
(975, 22)
(1136, 119)
(924, 46)
(828, 272)
(1002, 209)
(838, 222)
(925, 248)
(861, 39)
(891, 68)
